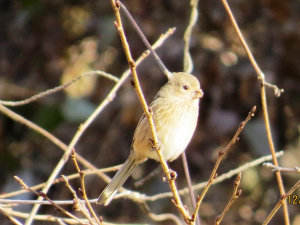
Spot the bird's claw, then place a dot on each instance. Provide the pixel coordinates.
(172, 175)
(155, 147)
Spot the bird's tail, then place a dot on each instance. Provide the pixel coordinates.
(118, 180)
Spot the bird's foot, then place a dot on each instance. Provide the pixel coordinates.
(155, 147)
(172, 176)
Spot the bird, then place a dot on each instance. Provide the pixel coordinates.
(175, 114)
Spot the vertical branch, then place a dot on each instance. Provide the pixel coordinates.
(132, 66)
(188, 68)
(188, 178)
(83, 191)
(277, 91)
(187, 59)
(148, 112)
(190, 186)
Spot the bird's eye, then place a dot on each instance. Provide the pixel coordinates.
(185, 87)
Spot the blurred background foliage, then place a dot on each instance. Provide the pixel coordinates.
(46, 43)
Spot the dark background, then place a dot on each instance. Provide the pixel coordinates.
(46, 43)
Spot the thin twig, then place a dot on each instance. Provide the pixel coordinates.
(42, 202)
(59, 88)
(161, 217)
(56, 141)
(143, 197)
(277, 91)
(48, 218)
(78, 204)
(219, 179)
(281, 169)
(10, 217)
(280, 202)
(58, 180)
(83, 191)
(148, 112)
(259, 72)
(272, 148)
(188, 68)
(80, 131)
(141, 182)
(220, 157)
(144, 39)
(49, 136)
(165, 216)
(187, 59)
(44, 196)
(190, 186)
(234, 196)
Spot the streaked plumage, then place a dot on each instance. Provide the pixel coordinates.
(175, 113)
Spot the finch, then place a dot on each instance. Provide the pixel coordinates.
(175, 114)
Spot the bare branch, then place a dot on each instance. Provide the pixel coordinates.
(277, 91)
(281, 169)
(59, 88)
(220, 157)
(187, 59)
(148, 112)
(234, 196)
(280, 202)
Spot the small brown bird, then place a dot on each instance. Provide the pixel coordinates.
(175, 114)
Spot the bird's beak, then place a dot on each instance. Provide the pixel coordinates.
(198, 94)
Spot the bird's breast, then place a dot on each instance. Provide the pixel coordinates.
(175, 123)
